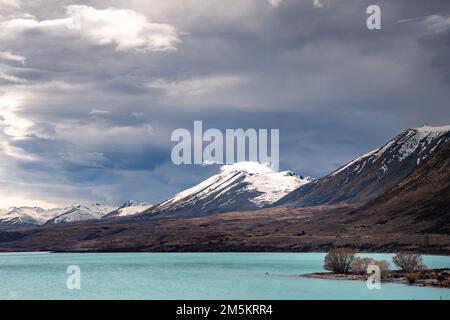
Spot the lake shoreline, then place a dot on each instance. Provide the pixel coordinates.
(181, 250)
(425, 278)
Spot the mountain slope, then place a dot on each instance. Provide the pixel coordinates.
(34, 216)
(242, 186)
(421, 202)
(129, 208)
(371, 174)
(81, 213)
(26, 216)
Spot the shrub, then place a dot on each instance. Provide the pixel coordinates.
(384, 267)
(409, 262)
(359, 266)
(441, 278)
(410, 278)
(339, 260)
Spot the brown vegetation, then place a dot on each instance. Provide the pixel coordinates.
(409, 262)
(313, 229)
(339, 260)
(360, 266)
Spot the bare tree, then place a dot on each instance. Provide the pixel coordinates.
(409, 262)
(339, 260)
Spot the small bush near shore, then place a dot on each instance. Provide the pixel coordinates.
(359, 266)
(409, 262)
(339, 260)
(411, 278)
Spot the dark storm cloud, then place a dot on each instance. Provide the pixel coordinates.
(97, 120)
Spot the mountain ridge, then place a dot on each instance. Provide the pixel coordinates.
(372, 173)
(241, 186)
(36, 216)
(422, 198)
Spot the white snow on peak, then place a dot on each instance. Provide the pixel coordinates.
(257, 177)
(28, 215)
(401, 147)
(419, 138)
(427, 128)
(131, 208)
(80, 213)
(247, 166)
(39, 216)
(273, 185)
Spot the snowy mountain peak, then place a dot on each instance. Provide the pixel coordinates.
(132, 203)
(129, 203)
(429, 129)
(241, 186)
(129, 208)
(372, 173)
(26, 215)
(419, 142)
(81, 213)
(248, 167)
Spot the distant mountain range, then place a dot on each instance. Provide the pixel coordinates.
(33, 216)
(396, 197)
(251, 186)
(27, 215)
(81, 213)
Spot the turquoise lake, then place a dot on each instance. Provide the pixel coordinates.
(192, 276)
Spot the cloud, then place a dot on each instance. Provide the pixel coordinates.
(275, 3)
(10, 78)
(137, 114)
(12, 124)
(317, 4)
(6, 55)
(11, 3)
(437, 23)
(125, 29)
(95, 112)
(197, 86)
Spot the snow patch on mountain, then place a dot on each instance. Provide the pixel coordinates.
(371, 174)
(81, 213)
(240, 183)
(27, 215)
(129, 208)
(248, 167)
(21, 216)
(400, 148)
(354, 161)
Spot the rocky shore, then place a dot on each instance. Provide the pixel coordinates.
(426, 278)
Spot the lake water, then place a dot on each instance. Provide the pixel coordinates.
(191, 276)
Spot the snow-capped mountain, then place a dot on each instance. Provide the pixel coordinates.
(129, 208)
(241, 186)
(33, 216)
(26, 215)
(420, 202)
(81, 213)
(373, 173)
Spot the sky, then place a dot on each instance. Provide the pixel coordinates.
(90, 91)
